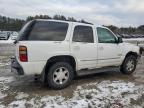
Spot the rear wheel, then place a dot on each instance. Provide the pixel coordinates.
(60, 75)
(129, 65)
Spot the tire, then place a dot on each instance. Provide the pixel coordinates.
(60, 75)
(129, 64)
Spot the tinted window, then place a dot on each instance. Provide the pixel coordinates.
(48, 30)
(105, 36)
(24, 32)
(83, 34)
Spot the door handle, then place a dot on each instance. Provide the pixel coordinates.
(101, 48)
(57, 42)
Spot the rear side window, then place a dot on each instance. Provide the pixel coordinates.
(83, 34)
(48, 31)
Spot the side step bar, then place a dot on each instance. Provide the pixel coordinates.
(98, 70)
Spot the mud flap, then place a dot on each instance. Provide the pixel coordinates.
(15, 67)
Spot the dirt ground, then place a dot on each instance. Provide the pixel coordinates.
(104, 90)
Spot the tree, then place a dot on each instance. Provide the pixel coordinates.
(113, 28)
(56, 17)
(13, 24)
(10, 24)
(141, 27)
(71, 19)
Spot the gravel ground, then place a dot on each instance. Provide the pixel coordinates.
(104, 90)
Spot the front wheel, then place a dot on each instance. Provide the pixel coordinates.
(60, 75)
(129, 65)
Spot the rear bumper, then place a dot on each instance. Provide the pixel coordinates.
(16, 67)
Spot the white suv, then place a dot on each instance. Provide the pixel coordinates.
(61, 50)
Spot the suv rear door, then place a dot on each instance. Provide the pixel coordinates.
(83, 46)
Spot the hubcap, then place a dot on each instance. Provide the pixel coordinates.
(60, 75)
(130, 65)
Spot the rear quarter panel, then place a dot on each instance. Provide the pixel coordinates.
(39, 52)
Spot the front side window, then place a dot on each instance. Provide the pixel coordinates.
(48, 31)
(83, 34)
(105, 36)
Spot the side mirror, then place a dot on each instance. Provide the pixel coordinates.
(120, 40)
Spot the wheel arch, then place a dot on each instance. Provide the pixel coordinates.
(131, 53)
(122, 69)
(60, 58)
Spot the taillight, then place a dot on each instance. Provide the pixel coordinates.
(23, 53)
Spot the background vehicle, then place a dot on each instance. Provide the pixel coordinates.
(4, 35)
(13, 35)
(60, 50)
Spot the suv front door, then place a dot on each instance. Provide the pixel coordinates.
(83, 46)
(109, 51)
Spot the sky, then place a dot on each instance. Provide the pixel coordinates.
(100, 12)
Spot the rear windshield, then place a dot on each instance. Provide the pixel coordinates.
(47, 31)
